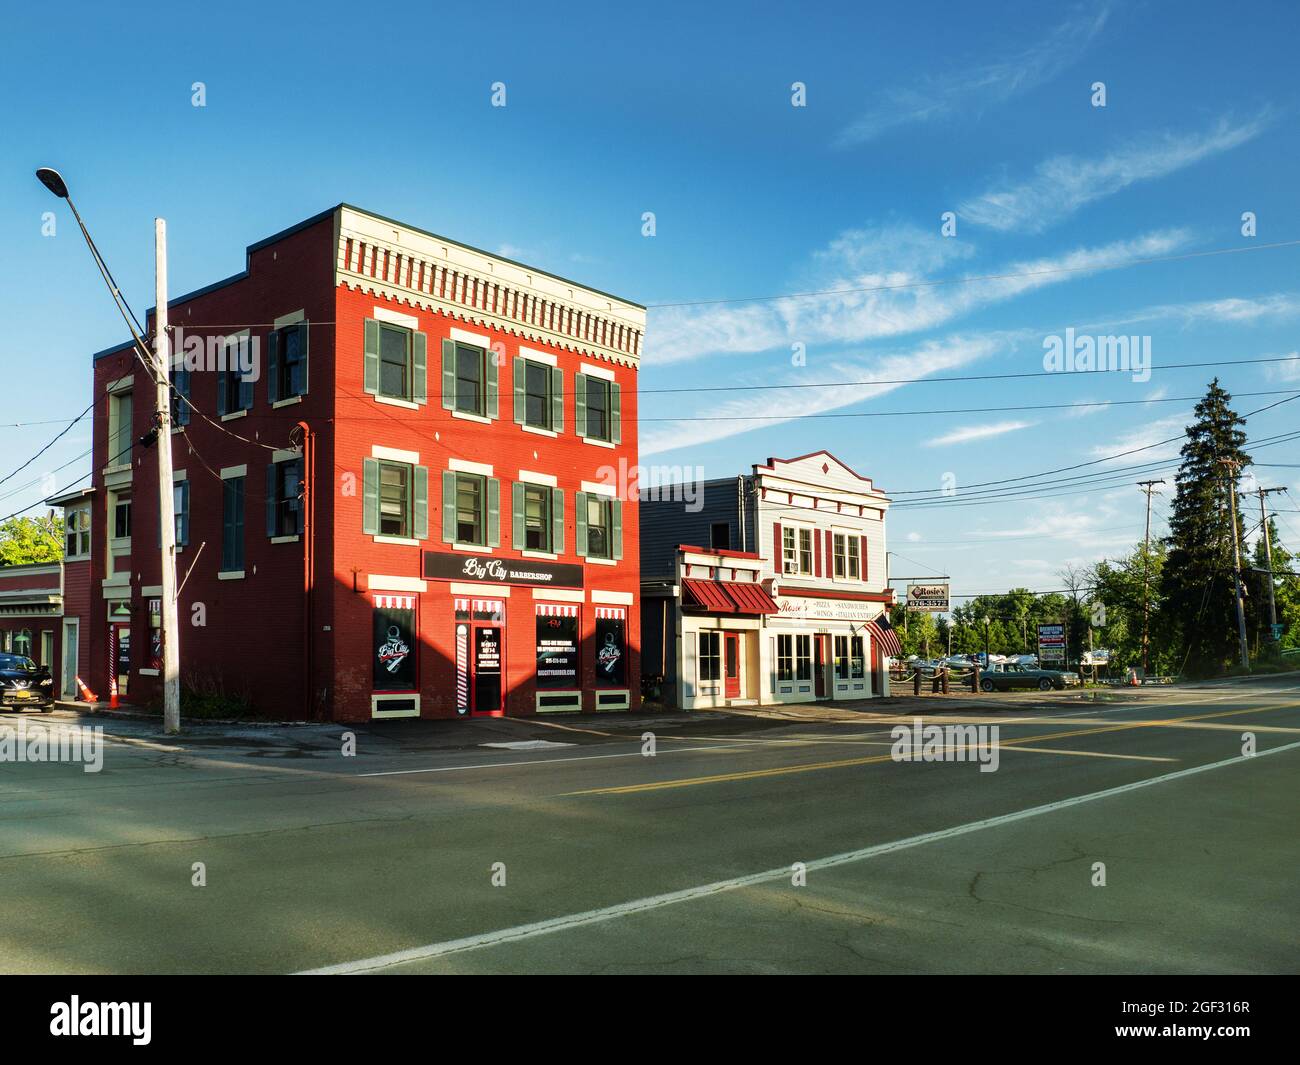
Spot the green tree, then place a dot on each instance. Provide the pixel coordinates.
(1286, 590)
(24, 540)
(1197, 597)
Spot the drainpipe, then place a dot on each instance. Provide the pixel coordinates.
(740, 506)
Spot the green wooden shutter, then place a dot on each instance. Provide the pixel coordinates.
(557, 520)
(448, 375)
(580, 523)
(221, 405)
(371, 375)
(448, 507)
(419, 368)
(493, 512)
(245, 393)
(421, 502)
(557, 400)
(273, 366)
(185, 511)
(270, 499)
(520, 380)
(615, 413)
(490, 358)
(580, 404)
(517, 512)
(370, 498)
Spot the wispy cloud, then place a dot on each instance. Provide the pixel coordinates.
(1144, 436)
(877, 258)
(1063, 184)
(978, 85)
(772, 407)
(1285, 371)
(977, 432)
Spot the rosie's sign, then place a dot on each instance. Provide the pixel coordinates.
(485, 569)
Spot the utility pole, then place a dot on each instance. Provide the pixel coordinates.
(1148, 487)
(1268, 554)
(1236, 563)
(171, 673)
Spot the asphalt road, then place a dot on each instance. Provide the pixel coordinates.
(417, 857)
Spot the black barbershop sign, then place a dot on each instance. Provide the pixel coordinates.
(488, 570)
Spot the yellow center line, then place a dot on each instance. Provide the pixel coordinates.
(812, 767)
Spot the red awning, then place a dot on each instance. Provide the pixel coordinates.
(708, 595)
(751, 598)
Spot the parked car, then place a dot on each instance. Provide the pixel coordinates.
(23, 683)
(1010, 677)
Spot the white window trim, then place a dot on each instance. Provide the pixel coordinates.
(465, 466)
(377, 701)
(597, 443)
(397, 402)
(478, 340)
(289, 319)
(602, 561)
(488, 591)
(228, 472)
(286, 454)
(539, 432)
(466, 416)
(546, 555)
(533, 355)
(558, 595)
(233, 415)
(230, 575)
(284, 539)
(401, 541)
(531, 477)
(596, 371)
(474, 549)
(122, 384)
(384, 582)
(394, 454)
(599, 488)
(406, 321)
(286, 402)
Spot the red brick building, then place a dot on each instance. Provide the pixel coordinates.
(395, 489)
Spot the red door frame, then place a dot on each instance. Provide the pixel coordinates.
(472, 667)
(819, 663)
(731, 659)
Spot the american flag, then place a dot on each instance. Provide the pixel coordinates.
(885, 635)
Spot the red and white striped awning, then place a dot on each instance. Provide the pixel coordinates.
(461, 604)
(395, 602)
(489, 606)
(611, 612)
(557, 610)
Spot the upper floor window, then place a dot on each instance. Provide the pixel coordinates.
(181, 510)
(539, 395)
(396, 499)
(121, 512)
(180, 395)
(470, 509)
(76, 533)
(395, 359)
(287, 362)
(720, 536)
(600, 526)
(598, 408)
(283, 498)
(232, 524)
(469, 379)
(119, 429)
(537, 511)
(797, 550)
(847, 556)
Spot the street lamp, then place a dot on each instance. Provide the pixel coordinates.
(157, 364)
(987, 663)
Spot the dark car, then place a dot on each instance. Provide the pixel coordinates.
(23, 683)
(1009, 677)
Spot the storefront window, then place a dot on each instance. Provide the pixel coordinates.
(785, 658)
(856, 657)
(557, 646)
(841, 658)
(611, 646)
(393, 643)
(710, 655)
(155, 634)
(803, 648)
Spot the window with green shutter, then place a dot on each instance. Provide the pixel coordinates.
(396, 500)
(395, 359)
(598, 408)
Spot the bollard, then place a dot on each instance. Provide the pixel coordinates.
(916, 683)
(945, 680)
(975, 678)
(934, 683)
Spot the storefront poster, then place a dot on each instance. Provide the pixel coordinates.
(611, 651)
(394, 649)
(557, 652)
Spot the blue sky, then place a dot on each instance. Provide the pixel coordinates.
(687, 114)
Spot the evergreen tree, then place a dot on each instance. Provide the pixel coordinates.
(1197, 592)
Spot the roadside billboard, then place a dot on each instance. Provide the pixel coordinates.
(1051, 643)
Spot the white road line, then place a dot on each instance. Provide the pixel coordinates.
(532, 761)
(654, 902)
